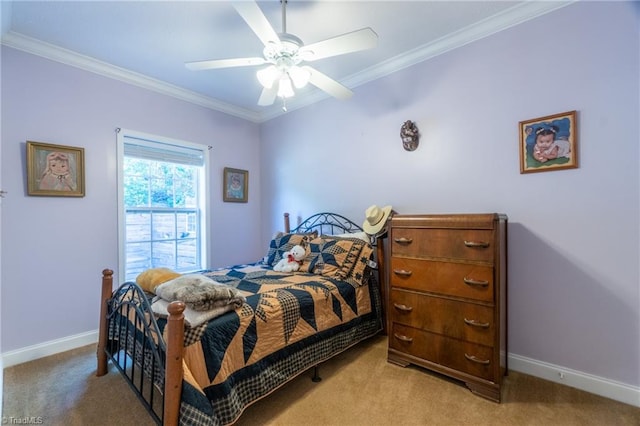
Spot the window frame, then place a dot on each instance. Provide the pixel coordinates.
(203, 195)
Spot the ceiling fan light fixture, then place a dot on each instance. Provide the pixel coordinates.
(285, 89)
(269, 75)
(299, 76)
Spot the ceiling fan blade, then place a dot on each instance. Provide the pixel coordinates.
(224, 63)
(268, 96)
(362, 39)
(253, 16)
(326, 83)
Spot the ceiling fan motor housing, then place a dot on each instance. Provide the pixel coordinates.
(285, 53)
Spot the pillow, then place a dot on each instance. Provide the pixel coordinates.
(340, 258)
(360, 235)
(314, 255)
(151, 278)
(313, 251)
(283, 242)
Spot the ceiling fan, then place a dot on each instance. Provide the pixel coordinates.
(284, 53)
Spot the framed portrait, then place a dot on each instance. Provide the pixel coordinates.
(549, 143)
(55, 170)
(236, 185)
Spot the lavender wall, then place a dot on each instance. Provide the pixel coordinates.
(573, 237)
(573, 234)
(54, 249)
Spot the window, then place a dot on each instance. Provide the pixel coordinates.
(162, 199)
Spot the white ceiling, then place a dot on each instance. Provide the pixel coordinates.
(147, 43)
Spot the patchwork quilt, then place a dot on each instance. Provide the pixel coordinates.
(289, 323)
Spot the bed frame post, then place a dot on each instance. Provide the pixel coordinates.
(107, 288)
(173, 372)
(382, 282)
(287, 224)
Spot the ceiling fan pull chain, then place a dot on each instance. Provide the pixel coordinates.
(284, 104)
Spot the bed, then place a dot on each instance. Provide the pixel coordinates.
(207, 373)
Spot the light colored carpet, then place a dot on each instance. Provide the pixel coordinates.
(359, 387)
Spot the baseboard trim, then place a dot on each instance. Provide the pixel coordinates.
(51, 347)
(587, 382)
(576, 379)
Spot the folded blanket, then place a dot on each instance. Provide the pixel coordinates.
(191, 318)
(200, 293)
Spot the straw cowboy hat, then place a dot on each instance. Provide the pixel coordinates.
(375, 218)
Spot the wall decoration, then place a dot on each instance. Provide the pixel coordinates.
(236, 185)
(410, 135)
(549, 143)
(55, 170)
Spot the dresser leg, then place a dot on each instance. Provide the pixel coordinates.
(397, 360)
(487, 392)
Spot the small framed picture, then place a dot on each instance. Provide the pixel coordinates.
(549, 143)
(236, 185)
(55, 170)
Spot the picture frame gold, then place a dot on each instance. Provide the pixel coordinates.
(55, 170)
(549, 143)
(235, 185)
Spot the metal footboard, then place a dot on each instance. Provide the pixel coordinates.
(131, 338)
(135, 346)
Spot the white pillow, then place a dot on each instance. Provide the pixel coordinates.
(360, 235)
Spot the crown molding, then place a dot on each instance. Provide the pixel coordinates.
(87, 63)
(510, 17)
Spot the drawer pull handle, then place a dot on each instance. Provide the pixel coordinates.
(475, 323)
(479, 283)
(480, 244)
(403, 338)
(403, 307)
(403, 240)
(402, 272)
(478, 360)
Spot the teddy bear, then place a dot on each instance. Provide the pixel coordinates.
(291, 260)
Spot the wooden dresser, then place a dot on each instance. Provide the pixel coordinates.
(447, 307)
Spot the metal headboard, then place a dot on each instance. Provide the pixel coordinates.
(325, 223)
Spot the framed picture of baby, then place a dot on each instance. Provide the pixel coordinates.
(55, 170)
(235, 186)
(549, 143)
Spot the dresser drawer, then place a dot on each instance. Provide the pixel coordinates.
(464, 244)
(464, 356)
(460, 320)
(453, 279)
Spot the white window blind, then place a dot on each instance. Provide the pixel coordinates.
(160, 151)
